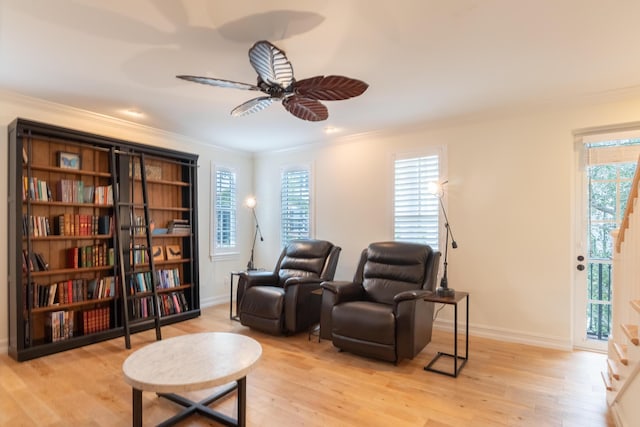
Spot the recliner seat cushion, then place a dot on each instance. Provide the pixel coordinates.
(365, 321)
(263, 301)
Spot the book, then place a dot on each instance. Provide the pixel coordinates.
(41, 261)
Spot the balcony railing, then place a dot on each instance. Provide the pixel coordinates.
(599, 297)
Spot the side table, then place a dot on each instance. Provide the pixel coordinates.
(231, 315)
(458, 360)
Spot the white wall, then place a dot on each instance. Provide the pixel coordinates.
(510, 205)
(214, 275)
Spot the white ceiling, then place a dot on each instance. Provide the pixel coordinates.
(425, 60)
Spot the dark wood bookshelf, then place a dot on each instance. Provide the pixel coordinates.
(47, 154)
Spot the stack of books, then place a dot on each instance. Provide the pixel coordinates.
(179, 226)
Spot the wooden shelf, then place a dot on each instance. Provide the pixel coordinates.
(54, 203)
(56, 237)
(70, 171)
(69, 271)
(165, 182)
(71, 306)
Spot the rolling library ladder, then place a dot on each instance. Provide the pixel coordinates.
(137, 272)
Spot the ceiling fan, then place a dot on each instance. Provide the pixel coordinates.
(275, 78)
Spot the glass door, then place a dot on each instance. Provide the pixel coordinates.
(607, 171)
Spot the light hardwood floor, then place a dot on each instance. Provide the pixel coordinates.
(305, 383)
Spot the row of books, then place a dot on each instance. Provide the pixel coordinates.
(96, 320)
(74, 191)
(33, 262)
(142, 281)
(36, 226)
(59, 325)
(90, 256)
(70, 291)
(104, 287)
(66, 225)
(138, 254)
(35, 189)
(168, 278)
(172, 303)
(69, 224)
(139, 226)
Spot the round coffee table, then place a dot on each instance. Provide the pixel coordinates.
(193, 362)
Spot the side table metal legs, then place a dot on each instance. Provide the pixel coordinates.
(458, 360)
(231, 315)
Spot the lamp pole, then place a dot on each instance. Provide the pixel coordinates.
(444, 290)
(250, 265)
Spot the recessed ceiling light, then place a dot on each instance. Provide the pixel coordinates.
(331, 129)
(132, 112)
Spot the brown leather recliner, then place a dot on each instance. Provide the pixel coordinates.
(282, 301)
(382, 313)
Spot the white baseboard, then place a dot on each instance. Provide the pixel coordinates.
(210, 302)
(508, 335)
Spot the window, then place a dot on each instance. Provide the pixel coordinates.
(295, 204)
(225, 210)
(416, 211)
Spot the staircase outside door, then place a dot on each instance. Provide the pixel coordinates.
(606, 170)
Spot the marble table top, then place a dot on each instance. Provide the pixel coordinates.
(191, 362)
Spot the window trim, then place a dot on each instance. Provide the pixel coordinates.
(308, 166)
(214, 251)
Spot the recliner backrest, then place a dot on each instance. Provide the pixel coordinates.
(306, 258)
(388, 268)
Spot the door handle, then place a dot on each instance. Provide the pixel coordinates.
(580, 267)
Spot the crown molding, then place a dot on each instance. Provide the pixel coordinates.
(114, 125)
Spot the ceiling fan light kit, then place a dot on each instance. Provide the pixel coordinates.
(275, 78)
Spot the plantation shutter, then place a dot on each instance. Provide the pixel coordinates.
(416, 212)
(295, 205)
(225, 208)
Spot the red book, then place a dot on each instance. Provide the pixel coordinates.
(69, 299)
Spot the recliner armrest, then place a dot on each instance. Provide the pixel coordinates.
(300, 280)
(411, 295)
(254, 278)
(344, 290)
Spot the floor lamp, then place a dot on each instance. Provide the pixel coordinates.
(251, 204)
(444, 290)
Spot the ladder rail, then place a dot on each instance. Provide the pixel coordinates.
(129, 298)
(152, 265)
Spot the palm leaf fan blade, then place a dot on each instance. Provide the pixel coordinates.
(252, 106)
(218, 82)
(330, 88)
(271, 64)
(305, 108)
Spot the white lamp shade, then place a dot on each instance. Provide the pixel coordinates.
(250, 202)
